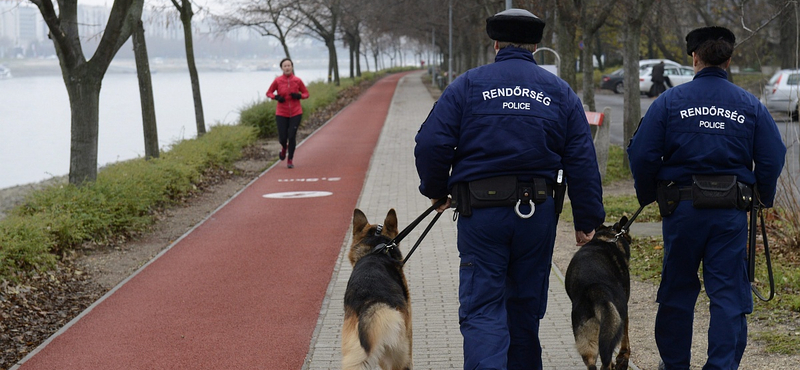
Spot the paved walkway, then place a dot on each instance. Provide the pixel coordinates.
(432, 271)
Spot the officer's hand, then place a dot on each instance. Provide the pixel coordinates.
(582, 238)
(280, 99)
(296, 96)
(443, 207)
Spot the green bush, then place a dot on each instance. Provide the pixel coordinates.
(261, 115)
(121, 201)
(25, 245)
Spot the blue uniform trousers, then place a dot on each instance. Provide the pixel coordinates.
(718, 239)
(505, 267)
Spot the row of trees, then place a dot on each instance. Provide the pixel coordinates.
(83, 77)
(617, 31)
(612, 30)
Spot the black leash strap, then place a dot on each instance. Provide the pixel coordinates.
(430, 225)
(414, 224)
(627, 226)
(756, 212)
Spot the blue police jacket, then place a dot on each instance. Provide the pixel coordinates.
(704, 127)
(510, 117)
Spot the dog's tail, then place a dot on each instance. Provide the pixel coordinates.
(378, 337)
(598, 334)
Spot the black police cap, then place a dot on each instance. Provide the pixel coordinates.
(697, 37)
(515, 25)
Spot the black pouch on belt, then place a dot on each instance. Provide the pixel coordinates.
(497, 191)
(715, 191)
(668, 195)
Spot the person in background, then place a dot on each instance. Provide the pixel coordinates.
(657, 76)
(288, 89)
(700, 151)
(509, 125)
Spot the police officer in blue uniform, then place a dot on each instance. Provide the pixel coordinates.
(496, 139)
(698, 144)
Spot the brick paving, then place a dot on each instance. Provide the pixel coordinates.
(432, 271)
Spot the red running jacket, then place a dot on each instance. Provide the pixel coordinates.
(284, 86)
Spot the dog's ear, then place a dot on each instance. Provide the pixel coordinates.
(619, 225)
(359, 221)
(390, 224)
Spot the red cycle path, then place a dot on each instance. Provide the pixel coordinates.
(243, 290)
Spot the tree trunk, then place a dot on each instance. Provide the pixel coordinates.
(632, 111)
(186, 19)
(352, 57)
(598, 52)
(83, 89)
(285, 49)
(358, 56)
(145, 93)
(587, 67)
(331, 44)
(566, 47)
(788, 38)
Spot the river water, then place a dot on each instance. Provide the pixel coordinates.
(35, 116)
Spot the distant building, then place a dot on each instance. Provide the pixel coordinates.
(21, 26)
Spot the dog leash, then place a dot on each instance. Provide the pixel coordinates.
(393, 243)
(416, 222)
(627, 226)
(384, 247)
(756, 212)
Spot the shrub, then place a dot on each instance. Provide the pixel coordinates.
(261, 115)
(119, 203)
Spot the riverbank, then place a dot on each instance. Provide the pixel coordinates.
(49, 66)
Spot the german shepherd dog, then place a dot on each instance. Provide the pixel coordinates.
(377, 313)
(598, 283)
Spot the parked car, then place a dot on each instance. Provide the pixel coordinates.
(645, 63)
(4, 72)
(614, 80)
(677, 75)
(780, 93)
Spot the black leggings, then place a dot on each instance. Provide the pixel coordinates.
(287, 131)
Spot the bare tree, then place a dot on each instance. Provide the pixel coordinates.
(788, 25)
(321, 19)
(186, 13)
(566, 19)
(351, 24)
(636, 11)
(145, 92)
(82, 77)
(592, 16)
(267, 17)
